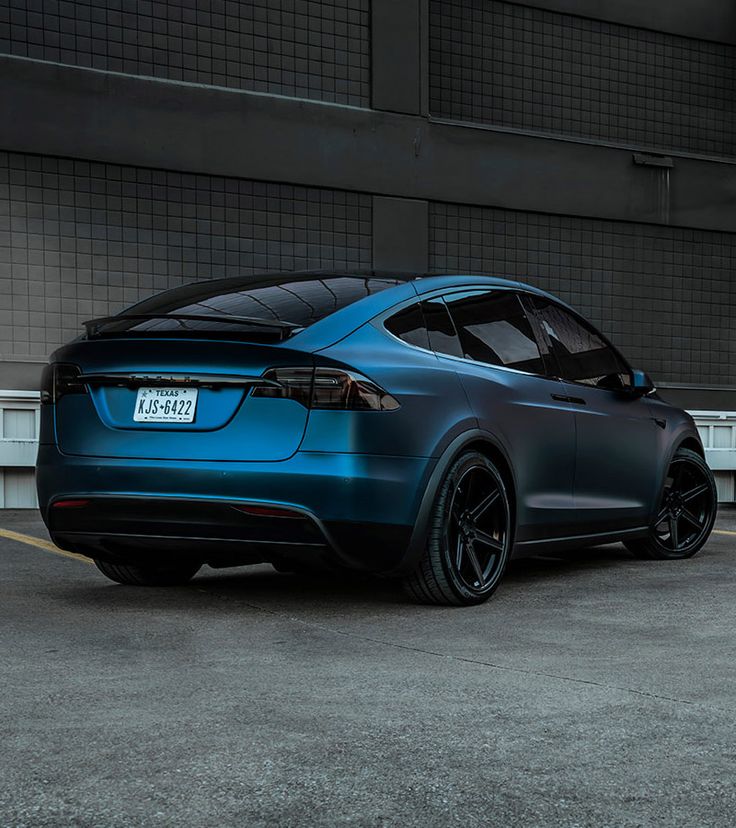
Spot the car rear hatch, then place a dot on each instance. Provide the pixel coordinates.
(176, 376)
(201, 389)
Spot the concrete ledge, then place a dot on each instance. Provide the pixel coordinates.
(59, 110)
(703, 19)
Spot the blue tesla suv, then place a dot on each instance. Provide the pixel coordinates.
(426, 428)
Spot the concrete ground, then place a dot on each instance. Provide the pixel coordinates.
(592, 690)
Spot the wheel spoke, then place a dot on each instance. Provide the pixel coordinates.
(476, 554)
(484, 505)
(674, 538)
(488, 540)
(474, 562)
(662, 517)
(459, 552)
(690, 518)
(693, 493)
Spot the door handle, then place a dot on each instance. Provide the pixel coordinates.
(571, 400)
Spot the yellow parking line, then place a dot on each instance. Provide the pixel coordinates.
(723, 532)
(41, 544)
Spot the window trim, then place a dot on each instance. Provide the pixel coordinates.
(517, 293)
(586, 324)
(441, 293)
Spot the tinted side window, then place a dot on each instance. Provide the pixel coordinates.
(409, 326)
(494, 328)
(442, 334)
(581, 353)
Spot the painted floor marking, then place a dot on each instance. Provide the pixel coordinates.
(723, 532)
(41, 544)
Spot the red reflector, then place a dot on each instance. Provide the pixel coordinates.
(267, 511)
(70, 504)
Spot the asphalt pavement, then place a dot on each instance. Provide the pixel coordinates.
(592, 690)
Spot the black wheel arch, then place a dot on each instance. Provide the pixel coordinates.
(472, 440)
(692, 443)
(686, 437)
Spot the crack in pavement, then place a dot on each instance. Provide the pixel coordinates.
(478, 662)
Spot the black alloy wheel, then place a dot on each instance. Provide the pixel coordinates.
(687, 511)
(470, 536)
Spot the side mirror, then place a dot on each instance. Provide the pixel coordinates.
(641, 383)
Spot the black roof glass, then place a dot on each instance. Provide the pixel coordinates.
(291, 302)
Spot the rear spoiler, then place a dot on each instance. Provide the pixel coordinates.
(284, 328)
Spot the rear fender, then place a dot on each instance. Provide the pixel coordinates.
(418, 540)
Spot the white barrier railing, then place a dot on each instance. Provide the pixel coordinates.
(19, 421)
(718, 432)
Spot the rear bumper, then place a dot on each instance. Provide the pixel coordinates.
(354, 510)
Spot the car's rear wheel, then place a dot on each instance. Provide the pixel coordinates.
(469, 536)
(134, 575)
(686, 513)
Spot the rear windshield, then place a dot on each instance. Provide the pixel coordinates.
(235, 307)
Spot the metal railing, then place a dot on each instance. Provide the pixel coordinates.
(718, 432)
(19, 424)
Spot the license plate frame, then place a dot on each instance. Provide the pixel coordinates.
(165, 404)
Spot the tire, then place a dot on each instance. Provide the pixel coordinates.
(686, 511)
(132, 575)
(469, 539)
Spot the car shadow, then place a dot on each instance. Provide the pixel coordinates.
(570, 562)
(262, 588)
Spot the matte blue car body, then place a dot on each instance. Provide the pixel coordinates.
(365, 478)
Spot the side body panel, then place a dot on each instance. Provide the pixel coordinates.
(537, 433)
(618, 459)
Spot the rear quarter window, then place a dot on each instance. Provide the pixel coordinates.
(409, 326)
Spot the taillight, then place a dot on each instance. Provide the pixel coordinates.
(293, 384)
(70, 504)
(327, 388)
(59, 379)
(346, 390)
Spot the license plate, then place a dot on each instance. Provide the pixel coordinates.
(165, 405)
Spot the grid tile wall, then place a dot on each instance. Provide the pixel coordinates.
(306, 48)
(664, 295)
(81, 239)
(525, 68)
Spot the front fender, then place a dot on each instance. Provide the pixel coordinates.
(680, 429)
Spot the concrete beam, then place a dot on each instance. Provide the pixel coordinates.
(52, 109)
(702, 19)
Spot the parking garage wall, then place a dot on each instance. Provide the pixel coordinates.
(81, 239)
(307, 49)
(665, 295)
(145, 144)
(526, 68)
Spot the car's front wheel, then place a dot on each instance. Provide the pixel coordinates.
(173, 574)
(469, 538)
(686, 513)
